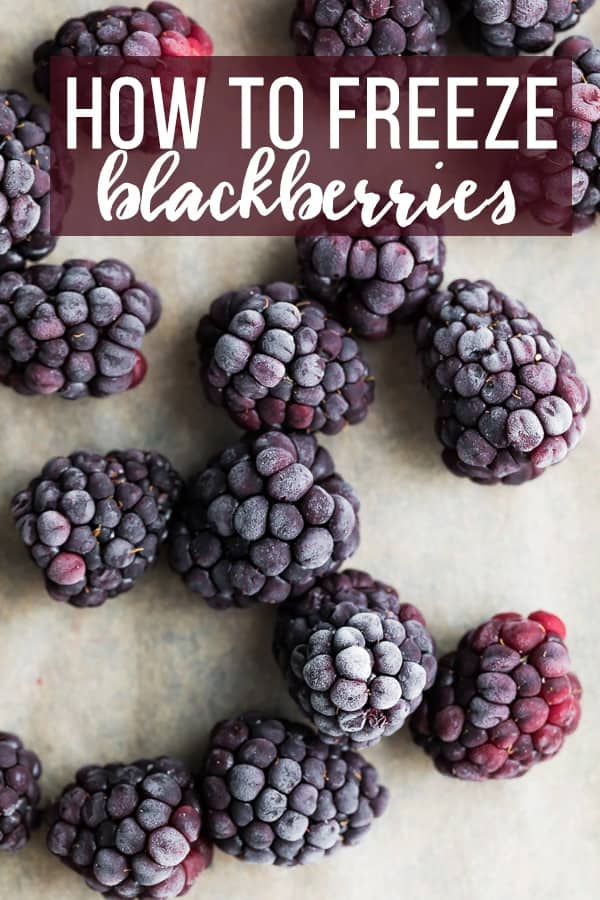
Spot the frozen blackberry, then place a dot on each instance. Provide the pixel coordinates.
(263, 521)
(123, 31)
(510, 27)
(509, 400)
(94, 524)
(274, 793)
(370, 27)
(356, 659)
(132, 830)
(24, 181)
(75, 329)
(372, 282)
(19, 792)
(565, 188)
(504, 701)
(274, 361)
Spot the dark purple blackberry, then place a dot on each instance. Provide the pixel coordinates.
(274, 793)
(123, 31)
(372, 282)
(24, 181)
(356, 659)
(510, 27)
(370, 27)
(19, 792)
(565, 187)
(132, 830)
(509, 400)
(75, 329)
(263, 521)
(94, 524)
(274, 361)
(503, 702)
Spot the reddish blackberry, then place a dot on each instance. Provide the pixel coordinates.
(132, 830)
(510, 27)
(503, 701)
(24, 181)
(356, 659)
(509, 400)
(123, 31)
(263, 521)
(75, 329)
(372, 282)
(277, 362)
(370, 27)
(275, 794)
(19, 792)
(95, 523)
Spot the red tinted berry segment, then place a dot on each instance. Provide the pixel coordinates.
(550, 623)
(501, 703)
(123, 31)
(284, 797)
(132, 830)
(356, 660)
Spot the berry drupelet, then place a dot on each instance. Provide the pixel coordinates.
(94, 524)
(509, 400)
(356, 660)
(123, 31)
(274, 361)
(24, 181)
(370, 27)
(503, 702)
(75, 329)
(263, 521)
(372, 282)
(132, 830)
(20, 770)
(274, 793)
(510, 27)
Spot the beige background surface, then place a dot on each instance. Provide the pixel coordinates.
(152, 671)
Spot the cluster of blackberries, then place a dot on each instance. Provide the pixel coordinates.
(75, 329)
(273, 792)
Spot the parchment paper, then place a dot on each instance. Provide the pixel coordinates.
(152, 671)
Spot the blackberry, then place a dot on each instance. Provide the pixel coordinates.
(274, 793)
(566, 184)
(94, 524)
(510, 27)
(503, 702)
(19, 792)
(372, 283)
(123, 31)
(370, 27)
(263, 521)
(509, 400)
(24, 181)
(356, 659)
(132, 830)
(74, 329)
(277, 362)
